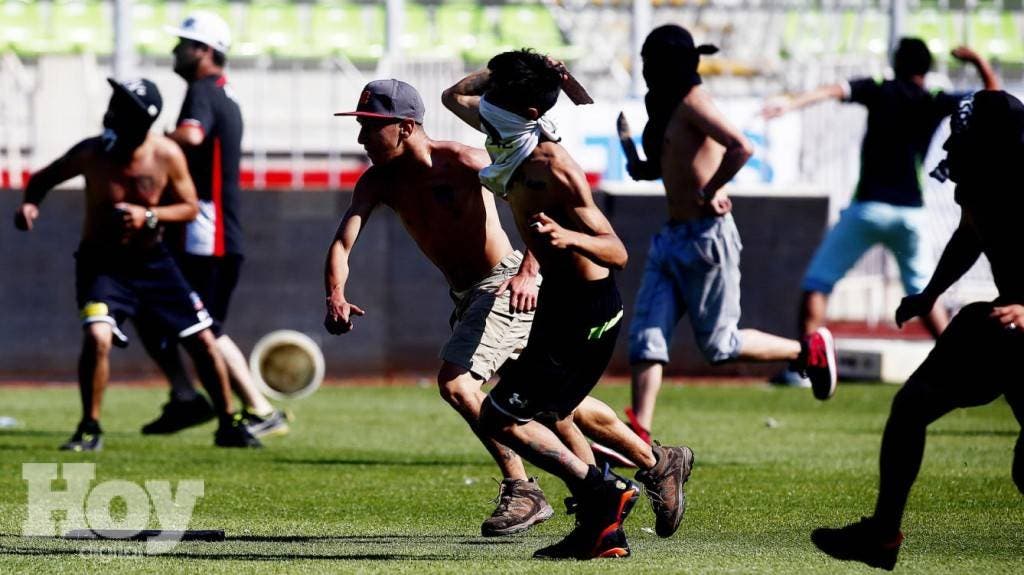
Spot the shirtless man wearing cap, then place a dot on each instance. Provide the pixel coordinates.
(121, 266)
(209, 249)
(693, 264)
(433, 187)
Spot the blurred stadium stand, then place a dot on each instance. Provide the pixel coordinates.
(295, 62)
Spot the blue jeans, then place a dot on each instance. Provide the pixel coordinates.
(862, 225)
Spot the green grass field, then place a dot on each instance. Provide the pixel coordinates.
(390, 480)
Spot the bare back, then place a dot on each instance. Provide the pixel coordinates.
(446, 211)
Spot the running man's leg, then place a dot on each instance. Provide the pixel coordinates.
(658, 308)
(908, 243)
(94, 367)
(945, 381)
(844, 244)
(462, 391)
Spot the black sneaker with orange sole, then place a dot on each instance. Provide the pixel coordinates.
(600, 513)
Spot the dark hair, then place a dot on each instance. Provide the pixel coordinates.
(523, 79)
(912, 58)
(219, 58)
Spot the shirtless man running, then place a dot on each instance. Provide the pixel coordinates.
(693, 263)
(579, 309)
(433, 188)
(121, 266)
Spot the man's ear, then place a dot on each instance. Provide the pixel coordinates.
(532, 114)
(406, 128)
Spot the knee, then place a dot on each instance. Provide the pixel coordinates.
(909, 406)
(648, 345)
(457, 391)
(720, 346)
(97, 341)
(203, 344)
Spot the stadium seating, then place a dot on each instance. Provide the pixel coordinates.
(23, 28)
(81, 26)
(149, 21)
(355, 30)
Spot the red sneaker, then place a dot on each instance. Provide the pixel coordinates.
(638, 429)
(818, 362)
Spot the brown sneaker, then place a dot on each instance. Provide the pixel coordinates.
(521, 505)
(664, 486)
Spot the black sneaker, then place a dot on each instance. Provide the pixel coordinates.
(233, 433)
(265, 426)
(664, 484)
(861, 541)
(88, 437)
(600, 513)
(178, 415)
(521, 505)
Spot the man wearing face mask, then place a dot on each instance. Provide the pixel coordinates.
(693, 263)
(209, 249)
(975, 360)
(121, 267)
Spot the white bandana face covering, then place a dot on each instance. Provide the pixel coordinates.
(511, 139)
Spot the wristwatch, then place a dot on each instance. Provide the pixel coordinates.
(151, 219)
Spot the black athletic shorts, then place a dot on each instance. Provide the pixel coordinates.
(214, 278)
(974, 361)
(113, 283)
(572, 340)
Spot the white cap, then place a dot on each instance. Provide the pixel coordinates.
(205, 27)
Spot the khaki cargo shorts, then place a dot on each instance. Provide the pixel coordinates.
(484, 332)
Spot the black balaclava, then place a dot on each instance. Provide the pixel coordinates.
(670, 70)
(984, 147)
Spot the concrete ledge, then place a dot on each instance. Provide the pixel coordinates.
(885, 360)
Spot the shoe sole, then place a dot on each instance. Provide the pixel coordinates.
(540, 517)
(830, 356)
(615, 458)
(614, 553)
(275, 431)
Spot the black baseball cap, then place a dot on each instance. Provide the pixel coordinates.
(142, 92)
(389, 99)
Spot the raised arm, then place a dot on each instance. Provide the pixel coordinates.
(595, 240)
(779, 106)
(336, 271)
(60, 170)
(463, 99)
(988, 75)
(961, 252)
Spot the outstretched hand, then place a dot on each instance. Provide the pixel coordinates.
(339, 316)
(917, 305)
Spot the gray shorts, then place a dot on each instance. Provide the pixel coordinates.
(484, 332)
(691, 267)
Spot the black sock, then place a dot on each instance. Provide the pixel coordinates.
(594, 478)
(182, 391)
